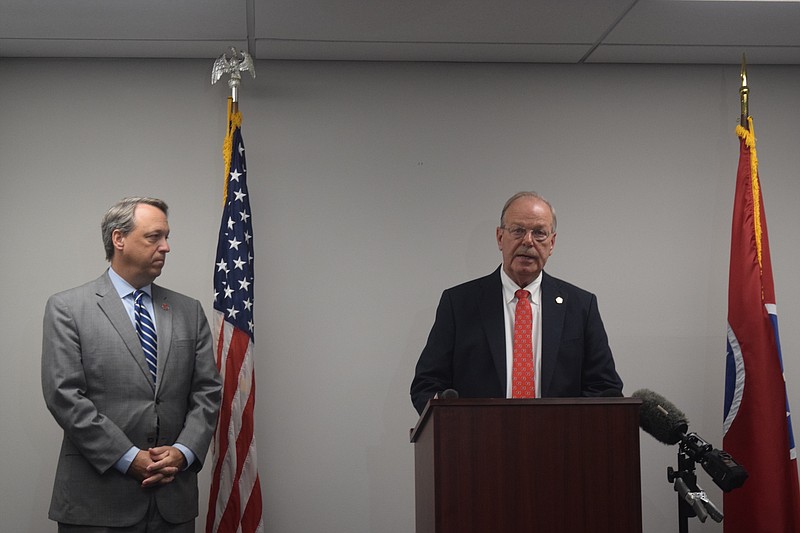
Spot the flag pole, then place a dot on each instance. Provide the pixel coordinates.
(232, 62)
(235, 498)
(744, 93)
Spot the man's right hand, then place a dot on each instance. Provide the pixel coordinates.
(138, 470)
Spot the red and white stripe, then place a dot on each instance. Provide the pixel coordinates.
(235, 499)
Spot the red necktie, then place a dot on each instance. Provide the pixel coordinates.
(522, 379)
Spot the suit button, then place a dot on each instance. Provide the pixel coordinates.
(150, 440)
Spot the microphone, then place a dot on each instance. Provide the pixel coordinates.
(447, 394)
(667, 424)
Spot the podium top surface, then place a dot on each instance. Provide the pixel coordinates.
(515, 402)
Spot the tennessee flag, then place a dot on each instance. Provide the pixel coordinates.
(235, 500)
(757, 428)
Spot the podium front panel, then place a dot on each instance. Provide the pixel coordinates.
(550, 465)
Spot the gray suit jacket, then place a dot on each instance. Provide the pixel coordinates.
(96, 385)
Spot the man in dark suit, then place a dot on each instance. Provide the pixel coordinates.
(470, 348)
(135, 433)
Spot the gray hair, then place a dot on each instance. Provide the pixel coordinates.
(527, 194)
(120, 217)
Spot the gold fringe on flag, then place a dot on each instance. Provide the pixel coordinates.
(234, 121)
(749, 138)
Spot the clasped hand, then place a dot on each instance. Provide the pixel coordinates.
(157, 466)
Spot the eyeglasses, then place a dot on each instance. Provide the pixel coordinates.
(518, 232)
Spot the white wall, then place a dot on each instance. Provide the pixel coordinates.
(374, 187)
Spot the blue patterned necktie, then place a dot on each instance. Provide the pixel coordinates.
(147, 332)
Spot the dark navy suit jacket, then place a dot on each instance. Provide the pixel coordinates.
(466, 347)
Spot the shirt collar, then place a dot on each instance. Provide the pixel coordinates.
(123, 287)
(510, 287)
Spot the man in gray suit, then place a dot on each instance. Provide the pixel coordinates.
(134, 437)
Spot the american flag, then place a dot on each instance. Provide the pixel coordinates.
(235, 499)
(757, 427)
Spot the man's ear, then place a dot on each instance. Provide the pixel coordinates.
(117, 239)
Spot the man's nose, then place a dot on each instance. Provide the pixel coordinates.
(528, 237)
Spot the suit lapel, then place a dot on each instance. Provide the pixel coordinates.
(491, 306)
(554, 307)
(163, 312)
(110, 303)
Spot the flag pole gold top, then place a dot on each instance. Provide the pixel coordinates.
(744, 92)
(233, 62)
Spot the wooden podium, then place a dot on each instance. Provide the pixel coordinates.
(547, 465)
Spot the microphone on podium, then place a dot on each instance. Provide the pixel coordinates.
(447, 394)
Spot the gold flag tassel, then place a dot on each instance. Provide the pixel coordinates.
(234, 121)
(749, 137)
